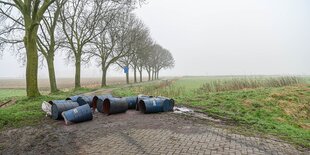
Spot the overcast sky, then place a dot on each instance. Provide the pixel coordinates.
(222, 37)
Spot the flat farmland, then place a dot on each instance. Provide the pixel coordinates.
(62, 83)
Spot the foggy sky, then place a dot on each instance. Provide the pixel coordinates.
(222, 37)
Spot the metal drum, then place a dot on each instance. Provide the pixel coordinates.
(78, 114)
(57, 101)
(168, 105)
(139, 98)
(114, 105)
(98, 102)
(101, 97)
(151, 105)
(73, 98)
(131, 101)
(82, 100)
(59, 106)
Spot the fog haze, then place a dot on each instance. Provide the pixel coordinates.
(222, 37)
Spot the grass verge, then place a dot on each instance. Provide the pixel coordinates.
(27, 111)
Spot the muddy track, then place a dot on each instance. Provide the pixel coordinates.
(135, 133)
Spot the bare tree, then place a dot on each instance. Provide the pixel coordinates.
(148, 66)
(110, 44)
(80, 20)
(129, 34)
(157, 58)
(29, 15)
(140, 46)
(142, 57)
(11, 29)
(165, 60)
(47, 41)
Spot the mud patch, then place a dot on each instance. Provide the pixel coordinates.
(44, 139)
(7, 103)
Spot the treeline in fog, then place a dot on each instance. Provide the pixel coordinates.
(105, 32)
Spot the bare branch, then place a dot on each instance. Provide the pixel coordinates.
(7, 3)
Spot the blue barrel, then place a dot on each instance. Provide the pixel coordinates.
(139, 98)
(79, 114)
(82, 100)
(98, 102)
(57, 101)
(73, 98)
(59, 106)
(131, 101)
(101, 97)
(151, 105)
(114, 105)
(168, 104)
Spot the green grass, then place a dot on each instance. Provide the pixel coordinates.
(28, 111)
(9, 93)
(307, 79)
(283, 112)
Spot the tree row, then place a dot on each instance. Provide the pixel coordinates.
(105, 32)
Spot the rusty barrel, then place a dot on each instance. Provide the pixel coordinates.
(59, 106)
(139, 98)
(79, 114)
(114, 105)
(98, 101)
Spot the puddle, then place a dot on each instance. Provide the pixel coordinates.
(191, 112)
(182, 110)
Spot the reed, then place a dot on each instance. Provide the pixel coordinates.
(249, 83)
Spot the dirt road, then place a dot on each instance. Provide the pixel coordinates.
(136, 133)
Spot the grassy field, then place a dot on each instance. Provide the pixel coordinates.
(281, 110)
(62, 83)
(9, 93)
(27, 111)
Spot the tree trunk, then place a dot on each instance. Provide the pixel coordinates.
(135, 74)
(51, 72)
(127, 78)
(157, 75)
(78, 71)
(140, 75)
(30, 41)
(104, 77)
(152, 75)
(149, 73)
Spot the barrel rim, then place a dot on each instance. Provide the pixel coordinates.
(106, 106)
(54, 111)
(142, 106)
